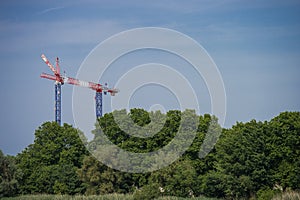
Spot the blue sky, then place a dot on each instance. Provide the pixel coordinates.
(255, 44)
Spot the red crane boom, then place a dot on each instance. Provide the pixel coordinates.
(73, 81)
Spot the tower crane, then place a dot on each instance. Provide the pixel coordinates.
(60, 80)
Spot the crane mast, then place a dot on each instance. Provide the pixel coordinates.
(58, 103)
(98, 103)
(60, 80)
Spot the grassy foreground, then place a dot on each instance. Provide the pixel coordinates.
(288, 195)
(91, 197)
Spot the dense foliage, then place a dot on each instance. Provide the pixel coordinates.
(250, 160)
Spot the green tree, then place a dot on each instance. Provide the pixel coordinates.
(49, 165)
(242, 158)
(9, 176)
(100, 179)
(203, 165)
(254, 157)
(140, 116)
(178, 179)
(108, 126)
(213, 184)
(284, 146)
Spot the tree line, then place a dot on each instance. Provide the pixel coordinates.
(250, 160)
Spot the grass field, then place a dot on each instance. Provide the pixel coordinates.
(288, 195)
(92, 197)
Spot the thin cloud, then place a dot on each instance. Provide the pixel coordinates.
(50, 10)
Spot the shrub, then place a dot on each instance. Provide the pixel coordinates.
(266, 194)
(147, 192)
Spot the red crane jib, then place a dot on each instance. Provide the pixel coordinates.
(94, 86)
